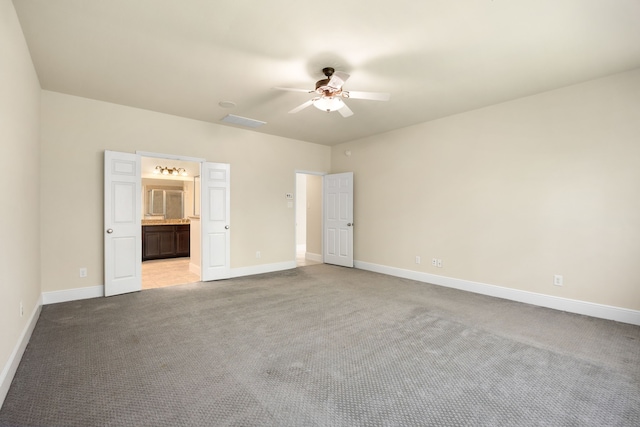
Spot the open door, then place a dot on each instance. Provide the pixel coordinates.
(338, 219)
(122, 223)
(215, 212)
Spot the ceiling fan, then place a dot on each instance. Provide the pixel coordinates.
(330, 93)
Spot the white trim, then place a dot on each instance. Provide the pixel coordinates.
(313, 257)
(170, 156)
(195, 269)
(10, 368)
(262, 268)
(618, 314)
(295, 212)
(305, 172)
(72, 294)
(98, 291)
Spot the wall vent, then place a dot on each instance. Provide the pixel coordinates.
(242, 121)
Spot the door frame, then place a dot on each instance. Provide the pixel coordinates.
(170, 156)
(164, 156)
(295, 212)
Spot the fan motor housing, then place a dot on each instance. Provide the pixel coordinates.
(321, 83)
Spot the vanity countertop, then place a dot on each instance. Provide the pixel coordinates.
(165, 221)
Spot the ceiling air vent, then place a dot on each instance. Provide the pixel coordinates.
(242, 121)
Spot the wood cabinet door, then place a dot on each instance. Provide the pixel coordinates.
(158, 242)
(183, 236)
(150, 245)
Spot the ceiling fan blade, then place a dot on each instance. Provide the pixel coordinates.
(301, 107)
(373, 96)
(345, 111)
(337, 79)
(292, 89)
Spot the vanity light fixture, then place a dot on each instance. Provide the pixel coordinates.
(163, 170)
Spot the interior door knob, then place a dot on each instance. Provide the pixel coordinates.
(349, 224)
(226, 227)
(109, 230)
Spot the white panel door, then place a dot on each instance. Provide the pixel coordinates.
(338, 219)
(122, 223)
(215, 213)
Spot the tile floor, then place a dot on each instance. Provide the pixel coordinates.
(175, 271)
(167, 272)
(301, 261)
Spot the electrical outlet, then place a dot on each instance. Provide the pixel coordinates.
(434, 262)
(289, 196)
(417, 259)
(439, 263)
(21, 309)
(557, 280)
(258, 255)
(83, 272)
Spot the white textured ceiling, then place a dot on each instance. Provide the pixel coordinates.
(435, 57)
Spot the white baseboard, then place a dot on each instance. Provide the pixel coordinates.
(602, 311)
(98, 291)
(262, 268)
(313, 257)
(9, 370)
(72, 294)
(618, 314)
(195, 269)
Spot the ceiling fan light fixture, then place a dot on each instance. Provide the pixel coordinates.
(328, 104)
(330, 94)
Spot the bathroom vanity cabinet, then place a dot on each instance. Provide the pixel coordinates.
(165, 241)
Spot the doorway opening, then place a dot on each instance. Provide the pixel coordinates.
(308, 219)
(170, 195)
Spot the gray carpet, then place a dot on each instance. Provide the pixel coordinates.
(327, 346)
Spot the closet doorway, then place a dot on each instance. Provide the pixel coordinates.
(308, 219)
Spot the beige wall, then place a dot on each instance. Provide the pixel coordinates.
(75, 133)
(511, 194)
(507, 195)
(20, 212)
